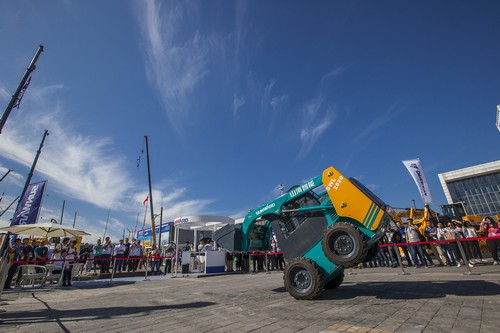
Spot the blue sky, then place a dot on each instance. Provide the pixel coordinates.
(237, 97)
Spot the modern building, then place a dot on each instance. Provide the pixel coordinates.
(478, 187)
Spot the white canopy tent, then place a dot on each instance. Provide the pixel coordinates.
(201, 222)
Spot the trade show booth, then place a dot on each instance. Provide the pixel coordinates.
(206, 260)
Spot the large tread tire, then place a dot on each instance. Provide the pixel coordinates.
(335, 282)
(344, 244)
(303, 279)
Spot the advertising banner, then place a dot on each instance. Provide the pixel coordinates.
(416, 171)
(145, 236)
(29, 206)
(498, 117)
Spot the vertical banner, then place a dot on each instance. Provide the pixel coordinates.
(417, 173)
(498, 117)
(29, 207)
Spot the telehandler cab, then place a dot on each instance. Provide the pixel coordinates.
(329, 223)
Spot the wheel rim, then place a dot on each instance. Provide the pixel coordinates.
(343, 244)
(301, 280)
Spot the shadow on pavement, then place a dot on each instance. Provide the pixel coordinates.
(409, 290)
(54, 315)
(413, 289)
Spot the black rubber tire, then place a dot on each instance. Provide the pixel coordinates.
(344, 244)
(303, 279)
(336, 282)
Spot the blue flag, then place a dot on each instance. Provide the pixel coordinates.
(29, 207)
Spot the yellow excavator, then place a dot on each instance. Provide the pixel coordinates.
(419, 216)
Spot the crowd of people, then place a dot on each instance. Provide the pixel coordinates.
(448, 253)
(26, 250)
(131, 256)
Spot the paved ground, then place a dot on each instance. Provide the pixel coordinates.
(374, 299)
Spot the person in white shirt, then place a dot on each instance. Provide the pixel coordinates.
(71, 255)
(413, 236)
(107, 251)
(119, 252)
(135, 255)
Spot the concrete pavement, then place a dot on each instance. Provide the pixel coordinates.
(438, 299)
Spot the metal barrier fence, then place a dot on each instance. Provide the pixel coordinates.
(458, 240)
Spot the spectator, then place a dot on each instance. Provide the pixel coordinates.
(390, 238)
(119, 253)
(33, 247)
(155, 260)
(17, 250)
(413, 236)
(279, 257)
(27, 250)
(135, 255)
(490, 227)
(107, 251)
(41, 253)
(126, 255)
(90, 260)
(382, 255)
(430, 233)
(229, 261)
(97, 249)
(273, 255)
(470, 232)
(238, 260)
(455, 234)
(71, 255)
(169, 255)
(449, 255)
(84, 252)
(401, 238)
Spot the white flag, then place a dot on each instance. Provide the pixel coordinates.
(498, 117)
(417, 173)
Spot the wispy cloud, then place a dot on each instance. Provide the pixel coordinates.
(375, 124)
(317, 118)
(81, 168)
(319, 113)
(238, 102)
(334, 73)
(174, 66)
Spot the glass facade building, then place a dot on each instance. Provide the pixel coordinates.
(477, 186)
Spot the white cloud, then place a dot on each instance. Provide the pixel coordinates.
(375, 124)
(316, 120)
(81, 167)
(173, 66)
(238, 102)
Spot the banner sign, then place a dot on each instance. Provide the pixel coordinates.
(417, 173)
(145, 236)
(498, 117)
(29, 206)
(149, 232)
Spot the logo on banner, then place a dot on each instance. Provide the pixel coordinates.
(29, 206)
(417, 173)
(180, 220)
